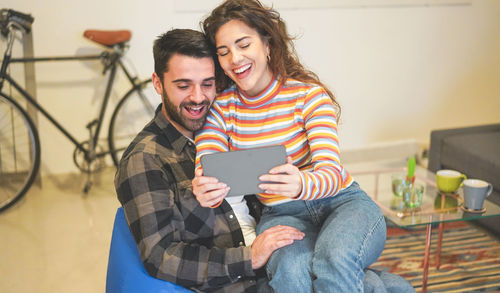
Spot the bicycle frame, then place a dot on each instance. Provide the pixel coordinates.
(20, 136)
(114, 59)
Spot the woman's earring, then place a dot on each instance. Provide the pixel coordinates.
(268, 58)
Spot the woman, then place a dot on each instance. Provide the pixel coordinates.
(267, 98)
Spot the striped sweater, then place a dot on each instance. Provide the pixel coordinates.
(298, 115)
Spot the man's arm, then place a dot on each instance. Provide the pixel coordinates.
(147, 190)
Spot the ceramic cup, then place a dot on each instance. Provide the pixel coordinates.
(475, 191)
(412, 195)
(448, 181)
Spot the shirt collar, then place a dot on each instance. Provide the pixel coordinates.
(262, 98)
(176, 139)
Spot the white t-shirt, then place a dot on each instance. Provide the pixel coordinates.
(246, 221)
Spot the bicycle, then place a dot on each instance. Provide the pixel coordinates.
(19, 138)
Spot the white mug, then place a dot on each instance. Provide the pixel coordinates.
(475, 191)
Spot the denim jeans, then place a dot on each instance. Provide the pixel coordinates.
(384, 282)
(344, 235)
(375, 282)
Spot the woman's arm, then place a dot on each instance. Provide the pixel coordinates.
(324, 176)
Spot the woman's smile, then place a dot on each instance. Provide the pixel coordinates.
(243, 56)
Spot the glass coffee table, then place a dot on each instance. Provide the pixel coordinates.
(436, 208)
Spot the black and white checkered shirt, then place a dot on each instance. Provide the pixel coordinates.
(179, 240)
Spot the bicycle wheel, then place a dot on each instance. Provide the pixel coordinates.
(19, 152)
(130, 116)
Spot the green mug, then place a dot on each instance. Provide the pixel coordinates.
(448, 181)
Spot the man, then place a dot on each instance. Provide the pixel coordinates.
(179, 241)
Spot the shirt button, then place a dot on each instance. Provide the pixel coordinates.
(239, 277)
(231, 216)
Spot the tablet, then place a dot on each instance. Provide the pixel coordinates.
(241, 170)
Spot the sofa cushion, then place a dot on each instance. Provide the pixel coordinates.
(475, 154)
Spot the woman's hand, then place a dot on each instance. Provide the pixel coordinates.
(286, 180)
(208, 190)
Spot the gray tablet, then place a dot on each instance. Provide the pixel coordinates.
(240, 170)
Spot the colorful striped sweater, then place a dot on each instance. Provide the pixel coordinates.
(298, 115)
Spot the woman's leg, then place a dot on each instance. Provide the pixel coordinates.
(373, 283)
(289, 268)
(382, 282)
(351, 238)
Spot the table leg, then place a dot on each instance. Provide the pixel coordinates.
(440, 235)
(426, 257)
(440, 240)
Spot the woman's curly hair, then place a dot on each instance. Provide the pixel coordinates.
(283, 62)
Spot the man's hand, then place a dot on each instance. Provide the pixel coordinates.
(286, 180)
(208, 190)
(270, 240)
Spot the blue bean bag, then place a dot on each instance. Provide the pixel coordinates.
(125, 270)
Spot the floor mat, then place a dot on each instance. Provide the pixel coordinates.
(470, 258)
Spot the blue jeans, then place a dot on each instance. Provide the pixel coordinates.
(374, 282)
(384, 282)
(344, 235)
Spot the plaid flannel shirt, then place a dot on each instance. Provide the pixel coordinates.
(179, 241)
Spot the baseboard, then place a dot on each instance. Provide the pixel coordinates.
(381, 151)
(71, 180)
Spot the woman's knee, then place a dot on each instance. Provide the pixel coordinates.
(352, 238)
(290, 269)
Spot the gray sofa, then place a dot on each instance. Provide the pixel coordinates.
(474, 151)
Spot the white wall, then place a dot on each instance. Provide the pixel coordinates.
(398, 71)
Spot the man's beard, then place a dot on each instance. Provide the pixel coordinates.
(175, 113)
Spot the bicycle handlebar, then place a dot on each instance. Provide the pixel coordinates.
(9, 15)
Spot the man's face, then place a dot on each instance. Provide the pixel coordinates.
(187, 91)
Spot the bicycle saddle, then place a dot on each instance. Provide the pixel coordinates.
(108, 38)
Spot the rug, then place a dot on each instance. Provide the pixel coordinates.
(470, 258)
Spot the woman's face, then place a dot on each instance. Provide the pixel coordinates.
(243, 56)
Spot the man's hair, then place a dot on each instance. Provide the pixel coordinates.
(179, 41)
